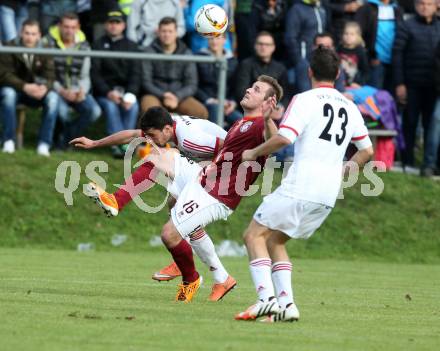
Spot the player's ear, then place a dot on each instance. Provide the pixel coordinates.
(339, 72)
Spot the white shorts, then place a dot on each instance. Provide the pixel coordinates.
(296, 218)
(195, 208)
(185, 171)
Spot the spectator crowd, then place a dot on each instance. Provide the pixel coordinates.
(384, 44)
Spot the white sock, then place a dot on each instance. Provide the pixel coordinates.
(282, 280)
(260, 272)
(204, 248)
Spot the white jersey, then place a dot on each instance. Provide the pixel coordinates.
(321, 122)
(197, 138)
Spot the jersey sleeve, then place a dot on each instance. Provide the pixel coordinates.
(360, 136)
(197, 140)
(295, 119)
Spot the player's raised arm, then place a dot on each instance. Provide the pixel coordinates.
(270, 128)
(273, 144)
(119, 138)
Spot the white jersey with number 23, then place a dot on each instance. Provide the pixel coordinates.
(321, 122)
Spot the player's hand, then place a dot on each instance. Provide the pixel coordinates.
(268, 106)
(248, 155)
(278, 112)
(83, 143)
(230, 106)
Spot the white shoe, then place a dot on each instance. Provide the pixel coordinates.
(411, 170)
(9, 147)
(43, 149)
(289, 314)
(105, 200)
(260, 309)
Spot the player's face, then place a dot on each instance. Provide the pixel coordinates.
(160, 137)
(114, 28)
(68, 29)
(167, 34)
(30, 35)
(255, 96)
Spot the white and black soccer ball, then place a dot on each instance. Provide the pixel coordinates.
(211, 21)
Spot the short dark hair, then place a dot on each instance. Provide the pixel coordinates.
(265, 33)
(275, 87)
(324, 63)
(69, 16)
(155, 117)
(31, 23)
(323, 35)
(167, 20)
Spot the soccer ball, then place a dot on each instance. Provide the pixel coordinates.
(211, 21)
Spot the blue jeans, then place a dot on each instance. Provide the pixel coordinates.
(117, 117)
(230, 119)
(10, 22)
(88, 110)
(9, 98)
(433, 139)
(380, 77)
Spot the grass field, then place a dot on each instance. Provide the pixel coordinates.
(64, 300)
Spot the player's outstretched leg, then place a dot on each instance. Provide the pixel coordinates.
(141, 180)
(112, 204)
(183, 257)
(104, 200)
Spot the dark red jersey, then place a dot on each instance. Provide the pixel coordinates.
(227, 178)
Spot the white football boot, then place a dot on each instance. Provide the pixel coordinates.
(288, 314)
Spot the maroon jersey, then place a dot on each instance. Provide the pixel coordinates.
(227, 178)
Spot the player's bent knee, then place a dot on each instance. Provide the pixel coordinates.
(252, 234)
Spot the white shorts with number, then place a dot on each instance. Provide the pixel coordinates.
(296, 218)
(195, 208)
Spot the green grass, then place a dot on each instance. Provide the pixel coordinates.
(401, 225)
(64, 300)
